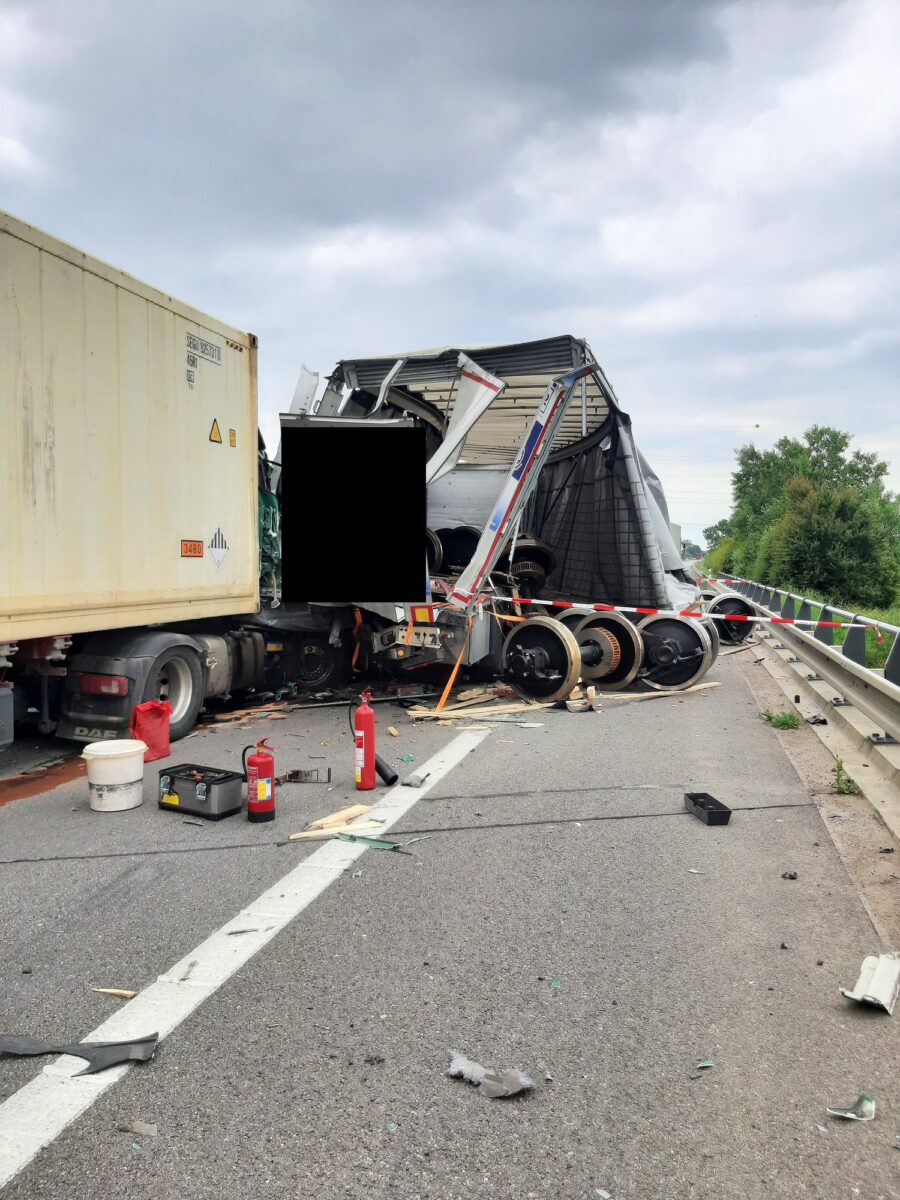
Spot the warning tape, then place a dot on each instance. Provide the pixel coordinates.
(672, 612)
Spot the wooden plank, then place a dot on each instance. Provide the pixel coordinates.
(331, 830)
(698, 687)
(452, 715)
(341, 816)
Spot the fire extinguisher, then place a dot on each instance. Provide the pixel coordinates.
(364, 738)
(259, 771)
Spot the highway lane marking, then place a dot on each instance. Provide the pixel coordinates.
(32, 1117)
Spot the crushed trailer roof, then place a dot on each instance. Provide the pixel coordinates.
(527, 369)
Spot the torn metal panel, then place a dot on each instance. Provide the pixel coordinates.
(526, 368)
(476, 389)
(878, 983)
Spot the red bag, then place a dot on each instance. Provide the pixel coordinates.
(150, 724)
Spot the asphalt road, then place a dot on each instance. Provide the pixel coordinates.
(550, 922)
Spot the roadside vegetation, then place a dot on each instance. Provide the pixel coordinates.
(813, 517)
(842, 782)
(780, 720)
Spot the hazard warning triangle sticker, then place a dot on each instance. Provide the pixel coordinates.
(215, 434)
(218, 547)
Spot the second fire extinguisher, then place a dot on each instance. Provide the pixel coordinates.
(259, 771)
(364, 738)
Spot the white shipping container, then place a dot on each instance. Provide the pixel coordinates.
(118, 506)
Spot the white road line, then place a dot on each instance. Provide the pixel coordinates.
(38, 1112)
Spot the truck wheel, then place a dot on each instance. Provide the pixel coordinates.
(318, 665)
(177, 676)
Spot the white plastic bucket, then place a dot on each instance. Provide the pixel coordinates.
(115, 772)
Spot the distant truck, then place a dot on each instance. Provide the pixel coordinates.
(139, 514)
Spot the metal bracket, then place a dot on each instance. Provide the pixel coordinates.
(310, 775)
(882, 739)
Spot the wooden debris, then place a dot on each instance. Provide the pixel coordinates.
(393, 731)
(479, 693)
(119, 993)
(698, 687)
(331, 830)
(452, 714)
(342, 816)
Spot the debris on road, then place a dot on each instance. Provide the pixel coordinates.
(141, 1128)
(372, 842)
(99, 1055)
(789, 875)
(301, 775)
(706, 808)
(493, 1084)
(330, 831)
(342, 816)
(705, 1064)
(878, 983)
(416, 779)
(862, 1110)
(694, 871)
(393, 730)
(578, 706)
(119, 993)
(407, 758)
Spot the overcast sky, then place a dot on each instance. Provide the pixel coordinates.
(707, 192)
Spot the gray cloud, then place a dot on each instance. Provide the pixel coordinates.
(706, 191)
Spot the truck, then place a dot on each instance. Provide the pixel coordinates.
(129, 530)
(139, 516)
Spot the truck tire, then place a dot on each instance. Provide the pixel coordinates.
(177, 676)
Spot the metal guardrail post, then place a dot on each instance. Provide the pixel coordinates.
(824, 634)
(892, 665)
(787, 609)
(854, 646)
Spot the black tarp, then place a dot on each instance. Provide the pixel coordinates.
(585, 508)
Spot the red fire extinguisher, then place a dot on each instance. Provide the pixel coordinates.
(364, 737)
(259, 771)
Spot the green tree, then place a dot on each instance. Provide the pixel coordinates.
(815, 514)
(715, 533)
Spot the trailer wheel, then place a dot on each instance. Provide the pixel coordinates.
(176, 676)
(319, 665)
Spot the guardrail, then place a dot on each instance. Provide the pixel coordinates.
(876, 692)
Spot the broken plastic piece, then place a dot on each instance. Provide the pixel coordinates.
(99, 1055)
(862, 1110)
(495, 1085)
(373, 843)
(119, 993)
(878, 983)
(707, 808)
(705, 1064)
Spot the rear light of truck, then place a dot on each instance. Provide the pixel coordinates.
(103, 685)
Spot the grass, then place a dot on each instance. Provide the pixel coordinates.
(781, 720)
(842, 782)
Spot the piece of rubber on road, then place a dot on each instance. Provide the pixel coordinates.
(99, 1055)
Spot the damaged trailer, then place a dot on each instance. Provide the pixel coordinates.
(535, 489)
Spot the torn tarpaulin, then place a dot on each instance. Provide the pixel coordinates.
(99, 1055)
(495, 1085)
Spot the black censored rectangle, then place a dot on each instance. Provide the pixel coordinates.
(353, 514)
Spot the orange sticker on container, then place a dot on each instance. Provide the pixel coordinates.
(232, 438)
(191, 549)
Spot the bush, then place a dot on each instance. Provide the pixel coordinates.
(719, 561)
